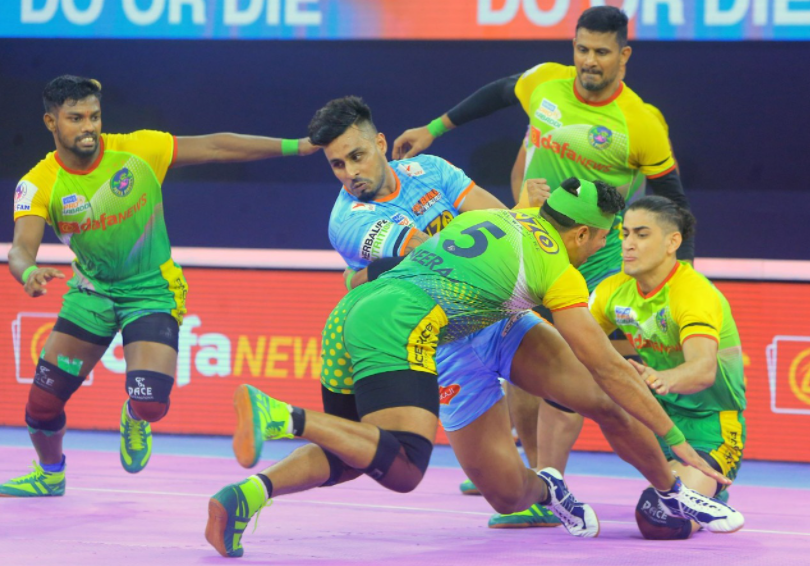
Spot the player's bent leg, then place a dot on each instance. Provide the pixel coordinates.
(68, 356)
(150, 350)
(557, 430)
(523, 409)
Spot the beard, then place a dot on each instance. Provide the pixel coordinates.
(595, 86)
(78, 150)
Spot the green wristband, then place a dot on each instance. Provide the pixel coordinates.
(437, 128)
(27, 273)
(347, 277)
(289, 147)
(674, 436)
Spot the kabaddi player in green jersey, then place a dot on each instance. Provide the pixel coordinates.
(102, 195)
(682, 327)
(584, 122)
(486, 265)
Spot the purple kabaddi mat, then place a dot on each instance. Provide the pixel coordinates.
(157, 518)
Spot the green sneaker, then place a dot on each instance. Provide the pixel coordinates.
(230, 511)
(722, 496)
(534, 516)
(259, 417)
(467, 487)
(38, 483)
(136, 442)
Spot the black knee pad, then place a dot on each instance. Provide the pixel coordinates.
(655, 524)
(56, 381)
(156, 327)
(336, 469)
(149, 386)
(51, 425)
(417, 448)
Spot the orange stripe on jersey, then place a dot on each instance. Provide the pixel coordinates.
(570, 307)
(661, 286)
(613, 96)
(393, 195)
(410, 235)
(86, 171)
(463, 194)
(663, 173)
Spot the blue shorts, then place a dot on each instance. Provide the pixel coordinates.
(469, 369)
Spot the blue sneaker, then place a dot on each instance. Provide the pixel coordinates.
(467, 487)
(136, 442)
(579, 518)
(535, 516)
(711, 514)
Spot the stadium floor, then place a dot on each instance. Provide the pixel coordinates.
(157, 518)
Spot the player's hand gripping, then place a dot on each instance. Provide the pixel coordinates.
(655, 381)
(412, 142)
(38, 279)
(537, 190)
(688, 456)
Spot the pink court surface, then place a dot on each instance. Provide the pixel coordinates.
(156, 518)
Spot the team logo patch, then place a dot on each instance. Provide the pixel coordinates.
(363, 206)
(661, 320)
(446, 394)
(625, 316)
(401, 219)
(411, 169)
(600, 137)
(74, 204)
(23, 195)
(549, 113)
(122, 182)
(426, 201)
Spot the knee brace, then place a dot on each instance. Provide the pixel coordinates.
(156, 327)
(417, 450)
(51, 389)
(655, 524)
(56, 381)
(339, 472)
(149, 393)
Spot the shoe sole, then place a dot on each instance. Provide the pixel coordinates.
(471, 492)
(528, 525)
(244, 439)
(215, 529)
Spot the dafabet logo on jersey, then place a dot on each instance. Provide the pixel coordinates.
(788, 360)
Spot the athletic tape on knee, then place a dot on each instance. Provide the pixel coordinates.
(336, 469)
(655, 524)
(417, 448)
(387, 451)
(55, 380)
(46, 426)
(149, 386)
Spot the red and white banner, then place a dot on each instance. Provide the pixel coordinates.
(263, 328)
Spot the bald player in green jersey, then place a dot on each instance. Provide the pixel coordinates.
(483, 267)
(584, 122)
(682, 327)
(102, 195)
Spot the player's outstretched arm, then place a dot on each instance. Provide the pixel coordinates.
(230, 148)
(480, 199)
(697, 373)
(483, 102)
(28, 232)
(622, 384)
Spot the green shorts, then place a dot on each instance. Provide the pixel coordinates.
(383, 326)
(104, 307)
(720, 435)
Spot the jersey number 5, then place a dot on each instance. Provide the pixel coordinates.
(480, 242)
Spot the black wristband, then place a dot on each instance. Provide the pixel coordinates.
(380, 266)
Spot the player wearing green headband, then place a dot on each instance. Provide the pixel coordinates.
(483, 267)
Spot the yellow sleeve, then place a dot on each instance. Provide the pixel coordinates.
(535, 76)
(695, 306)
(650, 150)
(569, 290)
(158, 149)
(32, 196)
(599, 302)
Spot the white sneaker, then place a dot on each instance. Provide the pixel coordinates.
(711, 514)
(579, 518)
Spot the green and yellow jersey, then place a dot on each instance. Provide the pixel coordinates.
(685, 305)
(111, 215)
(619, 141)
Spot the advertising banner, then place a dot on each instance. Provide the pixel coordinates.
(397, 19)
(263, 328)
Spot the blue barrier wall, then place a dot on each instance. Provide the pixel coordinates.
(737, 115)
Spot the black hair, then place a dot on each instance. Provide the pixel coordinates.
(69, 87)
(605, 19)
(669, 212)
(608, 199)
(336, 117)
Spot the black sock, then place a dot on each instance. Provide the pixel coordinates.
(267, 484)
(299, 419)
